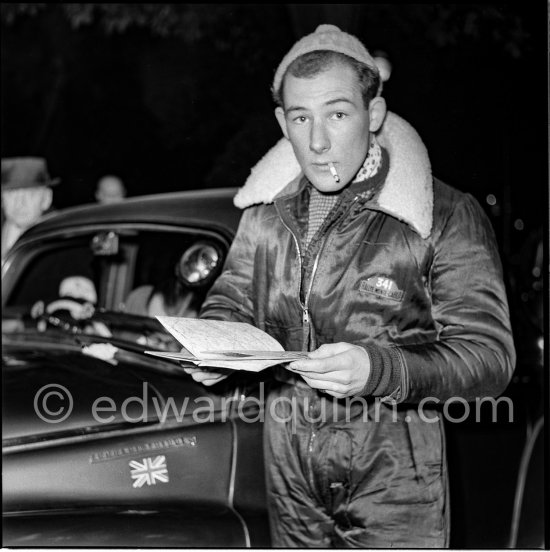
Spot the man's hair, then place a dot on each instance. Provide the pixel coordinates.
(311, 64)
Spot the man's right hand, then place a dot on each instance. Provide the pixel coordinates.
(202, 375)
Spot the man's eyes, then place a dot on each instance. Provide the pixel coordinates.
(336, 116)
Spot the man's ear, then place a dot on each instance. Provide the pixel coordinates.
(280, 116)
(47, 196)
(377, 113)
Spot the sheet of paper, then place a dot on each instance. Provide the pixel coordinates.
(172, 354)
(198, 335)
(247, 365)
(234, 356)
(241, 354)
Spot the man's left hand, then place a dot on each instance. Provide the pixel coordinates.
(339, 369)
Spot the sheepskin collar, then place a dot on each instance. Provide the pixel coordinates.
(407, 193)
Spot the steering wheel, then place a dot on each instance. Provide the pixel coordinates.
(74, 319)
(77, 310)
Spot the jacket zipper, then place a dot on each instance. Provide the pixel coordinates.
(305, 336)
(306, 320)
(312, 436)
(306, 323)
(305, 311)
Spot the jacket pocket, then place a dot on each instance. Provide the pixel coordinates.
(426, 446)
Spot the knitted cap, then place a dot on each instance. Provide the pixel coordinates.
(327, 37)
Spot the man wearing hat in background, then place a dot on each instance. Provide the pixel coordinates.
(26, 195)
(350, 249)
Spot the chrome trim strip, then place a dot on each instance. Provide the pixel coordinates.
(231, 493)
(115, 432)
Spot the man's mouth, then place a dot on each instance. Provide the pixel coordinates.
(323, 166)
(329, 166)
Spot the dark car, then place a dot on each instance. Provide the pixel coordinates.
(147, 457)
(105, 445)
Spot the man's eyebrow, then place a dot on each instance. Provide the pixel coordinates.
(339, 100)
(330, 102)
(294, 108)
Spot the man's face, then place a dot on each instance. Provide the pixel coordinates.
(24, 206)
(110, 190)
(326, 121)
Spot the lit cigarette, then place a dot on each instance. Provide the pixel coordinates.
(333, 171)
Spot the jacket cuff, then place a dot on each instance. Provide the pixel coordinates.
(385, 371)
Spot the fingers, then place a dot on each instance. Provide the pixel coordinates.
(309, 366)
(210, 379)
(331, 358)
(332, 388)
(200, 375)
(330, 349)
(342, 373)
(333, 381)
(320, 365)
(191, 369)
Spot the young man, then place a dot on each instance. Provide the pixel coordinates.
(348, 248)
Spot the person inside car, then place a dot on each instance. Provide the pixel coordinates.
(167, 298)
(170, 292)
(74, 308)
(350, 249)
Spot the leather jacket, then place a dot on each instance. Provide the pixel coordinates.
(412, 273)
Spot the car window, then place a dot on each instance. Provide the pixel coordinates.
(43, 275)
(115, 263)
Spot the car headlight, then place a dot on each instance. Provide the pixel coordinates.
(199, 264)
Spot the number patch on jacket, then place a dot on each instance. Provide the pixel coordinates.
(381, 286)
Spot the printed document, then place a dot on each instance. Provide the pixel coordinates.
(221, 344)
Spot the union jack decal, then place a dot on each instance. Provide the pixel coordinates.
(149, 471)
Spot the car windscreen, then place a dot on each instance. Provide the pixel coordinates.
(108, 267)
(49, 266)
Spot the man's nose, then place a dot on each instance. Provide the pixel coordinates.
(319, 141)
(19, 201)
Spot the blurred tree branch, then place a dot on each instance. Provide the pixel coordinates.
(189, 22)
(444, 24)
